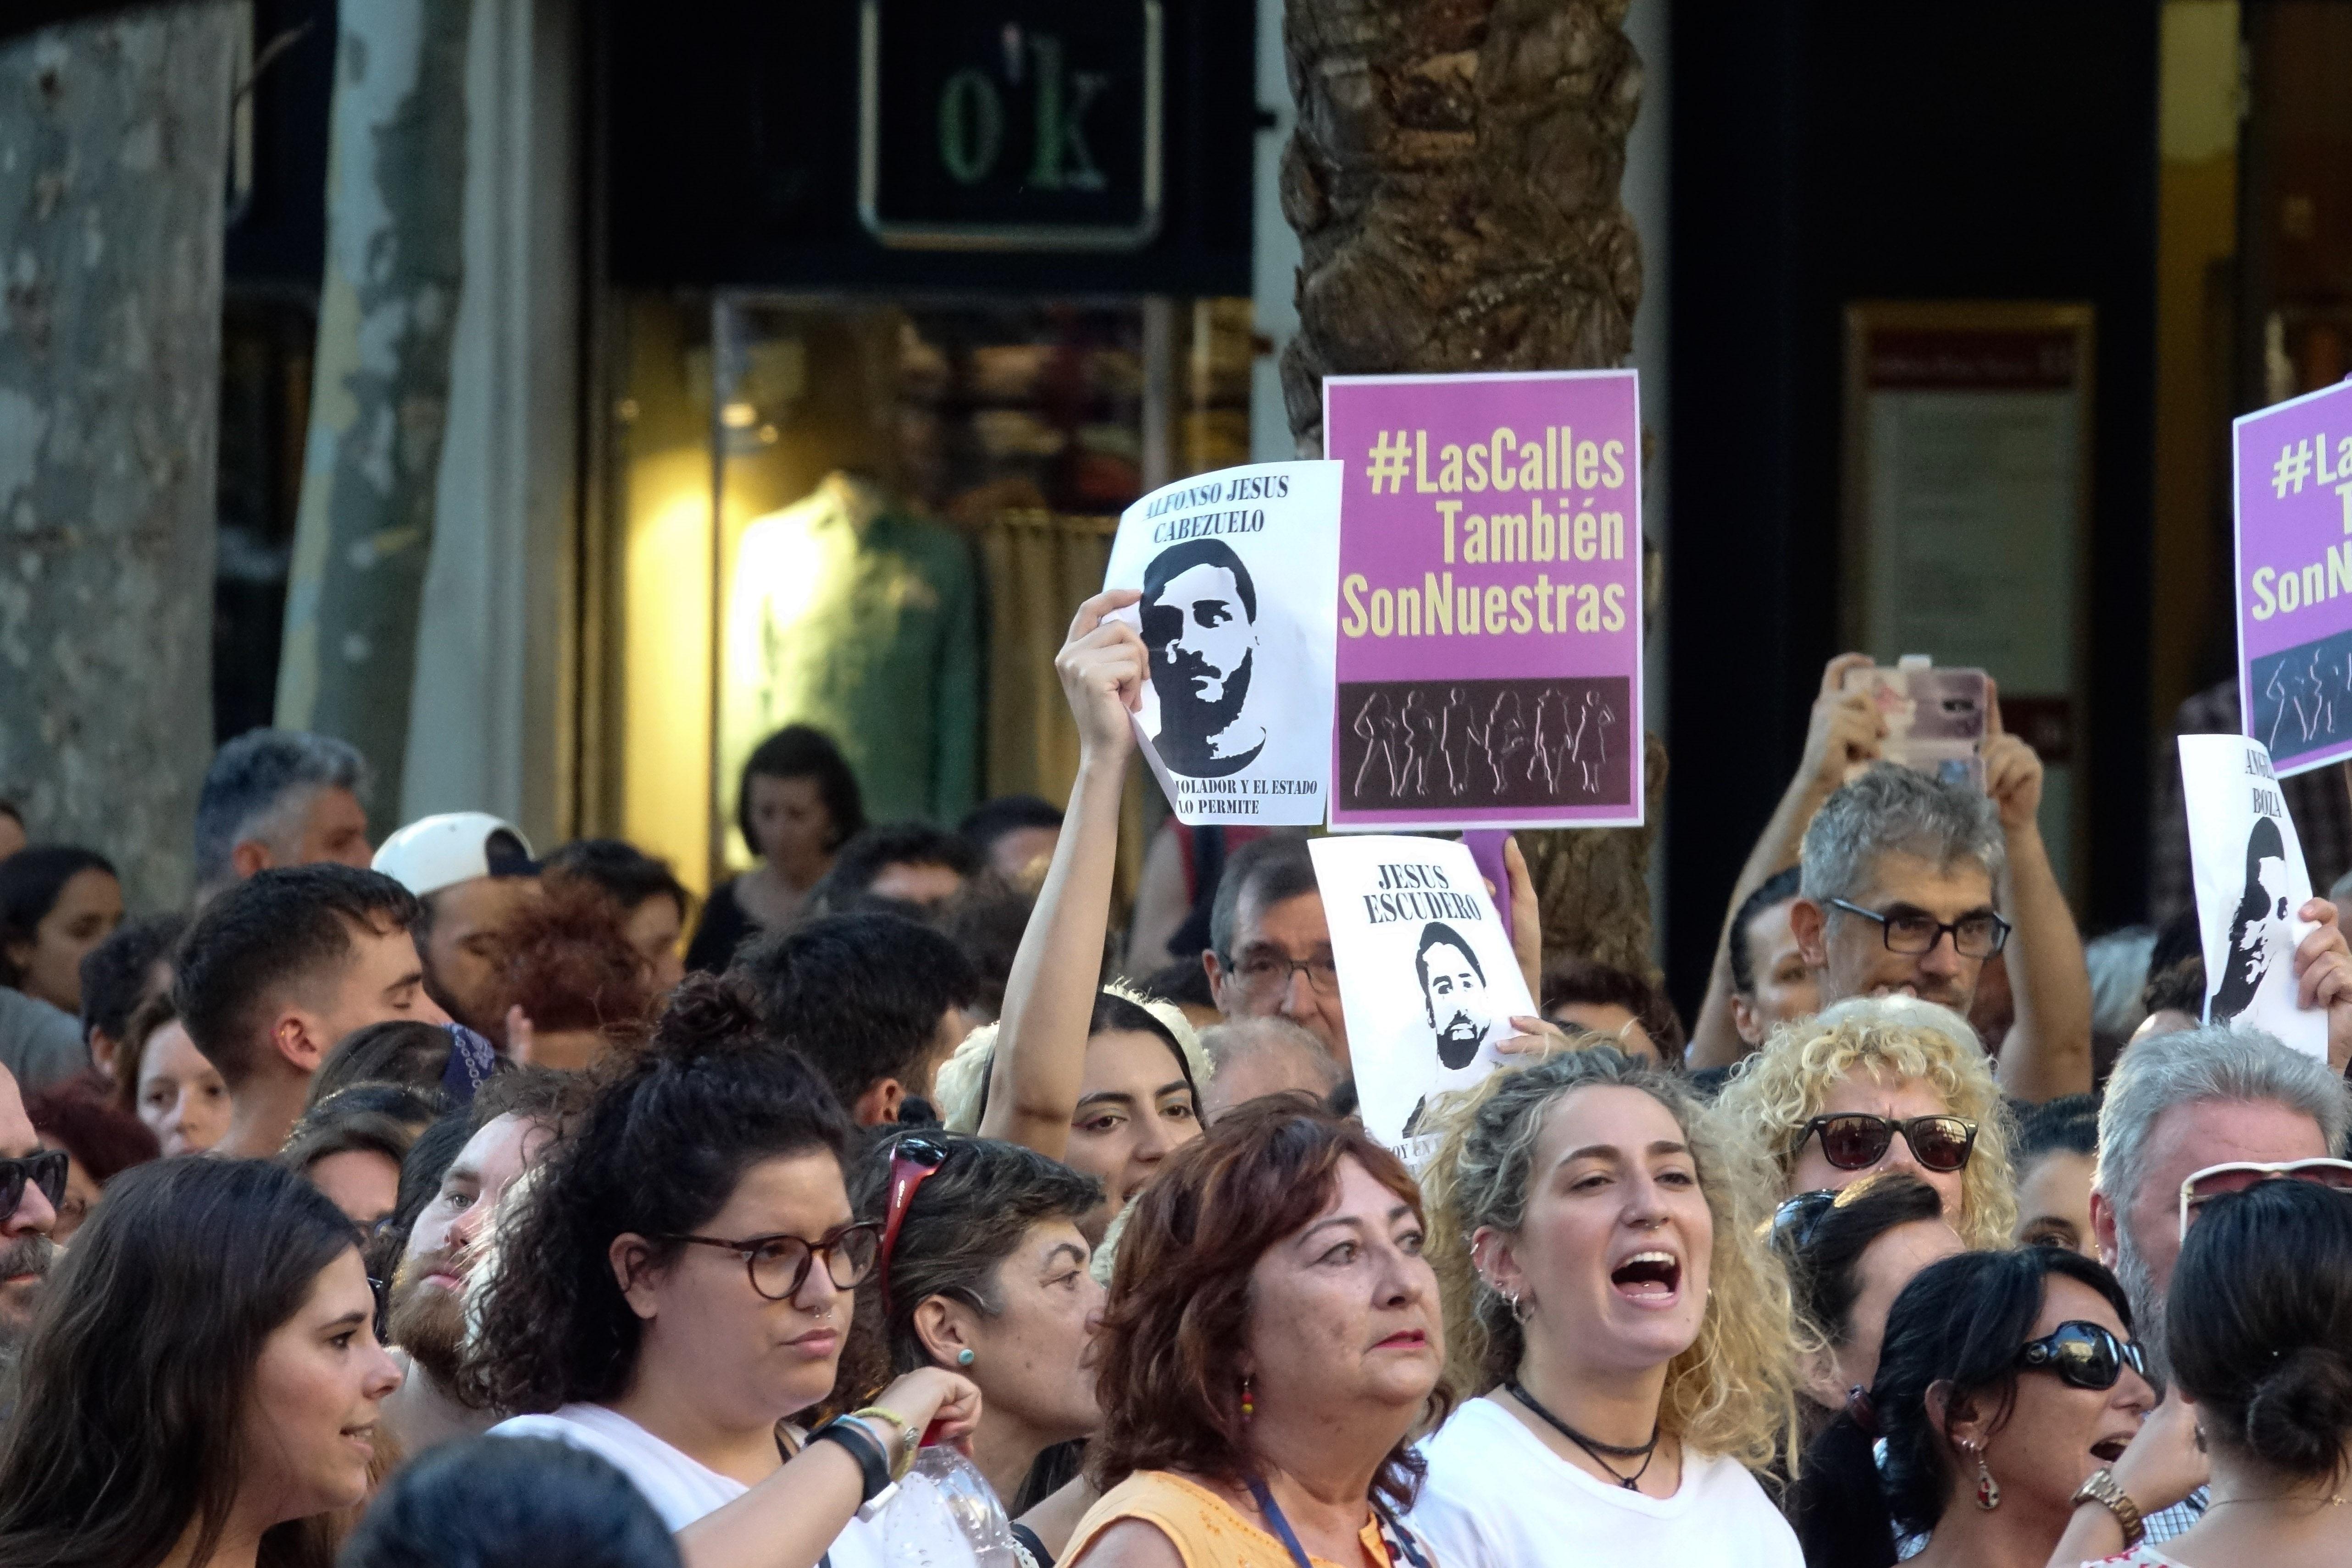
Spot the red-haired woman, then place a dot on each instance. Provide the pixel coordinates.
(1258, 1417)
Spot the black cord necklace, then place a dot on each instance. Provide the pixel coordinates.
(1644, 1452)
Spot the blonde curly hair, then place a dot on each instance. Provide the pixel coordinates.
(1773, 1094)
(1733, 1391)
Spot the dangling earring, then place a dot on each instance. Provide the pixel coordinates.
(966, 1356)
(1987, 1489)
(1249, 1402)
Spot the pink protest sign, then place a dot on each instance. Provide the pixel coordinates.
(2293, 466)
(1489, 664)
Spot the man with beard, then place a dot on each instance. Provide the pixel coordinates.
(2179, 1106)
(31, 1183)
(1452, 993)
(1200, 623)
(517, 1117)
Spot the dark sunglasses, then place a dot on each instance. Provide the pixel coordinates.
(2083, 1355)
(45, 1170)
(913, 1162)
(1855, 1141)
(1794, 1222)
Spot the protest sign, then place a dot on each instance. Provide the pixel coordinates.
(1238, 571)
(1489, 655)
(2251, 887)
(1427, 977)
(2292, 476)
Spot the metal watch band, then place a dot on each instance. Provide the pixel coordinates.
(2102, 1489)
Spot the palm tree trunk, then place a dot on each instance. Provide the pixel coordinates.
(1454, 181)
(113, 148)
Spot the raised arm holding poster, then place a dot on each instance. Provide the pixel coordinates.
(1427, 975)
(2293, 475)
(2251, 886)
(1237, 570)
(1490, 660)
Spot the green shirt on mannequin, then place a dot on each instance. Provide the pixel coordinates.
(862, 621)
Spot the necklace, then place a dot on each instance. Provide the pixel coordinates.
(2337, 1502)
(1644, 1452)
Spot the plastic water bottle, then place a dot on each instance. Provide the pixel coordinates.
(946, 1515)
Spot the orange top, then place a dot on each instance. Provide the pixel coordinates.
(1206, 1530)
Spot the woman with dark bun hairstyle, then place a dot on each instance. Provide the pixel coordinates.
(674, 1290)
(2259, 1332)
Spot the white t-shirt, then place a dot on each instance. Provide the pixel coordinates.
(681, 1489)
(1496, 1498)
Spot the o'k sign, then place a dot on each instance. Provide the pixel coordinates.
(1489, 659)
(2294, 484)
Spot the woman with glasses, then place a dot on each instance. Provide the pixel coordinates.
(983, 1271)
(1849, 1253)
(2258, 1332)
(1076, 1072)
(1879, 1083)
(2007, 1383)
(202, 1385)
(1609, 1291)
(676, 1287)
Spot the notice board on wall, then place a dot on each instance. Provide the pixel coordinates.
(1967, 512)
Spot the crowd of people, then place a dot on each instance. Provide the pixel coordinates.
(440, 1202)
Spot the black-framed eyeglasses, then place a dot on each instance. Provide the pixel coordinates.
(2083, 1355)
(45, 1170)
(1262, 974)
(1855, 1140)
(778, 1265)
(1973, 936)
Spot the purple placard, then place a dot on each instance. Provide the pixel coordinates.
(2293, 473)
(1489, 665)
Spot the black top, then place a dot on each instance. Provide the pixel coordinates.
(725, 926)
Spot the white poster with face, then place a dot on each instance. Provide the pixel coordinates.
(2251, 885)
(1240, 575)
(1426, 974)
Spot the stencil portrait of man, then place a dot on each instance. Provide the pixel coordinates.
(1454, 993)
(1200, 624)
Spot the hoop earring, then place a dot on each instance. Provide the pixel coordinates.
(1522, 1311)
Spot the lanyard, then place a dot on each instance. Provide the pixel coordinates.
(1272, 1513)
(1397, 1544)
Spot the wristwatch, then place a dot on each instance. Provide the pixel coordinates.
(2101, 1490)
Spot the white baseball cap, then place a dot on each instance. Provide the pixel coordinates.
(434, 852)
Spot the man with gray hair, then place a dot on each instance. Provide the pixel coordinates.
(2179, 1106)
(1904, 877)
(1255, 1057)
(279, 797)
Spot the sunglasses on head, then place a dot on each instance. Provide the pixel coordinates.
(2083, 1355)
(913, 1162)
(2237, 1175)
(1799, 1216)
(45, 1170)
(1855, 1141)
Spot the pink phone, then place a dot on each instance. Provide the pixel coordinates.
(1935, 718)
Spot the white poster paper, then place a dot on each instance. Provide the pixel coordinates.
(2251, 883)
(1240, 574)
(1426, 973)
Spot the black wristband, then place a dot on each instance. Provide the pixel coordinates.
(859, 1442)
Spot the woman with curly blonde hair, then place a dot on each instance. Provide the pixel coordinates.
(1881, 1083)
(1598, 1245)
